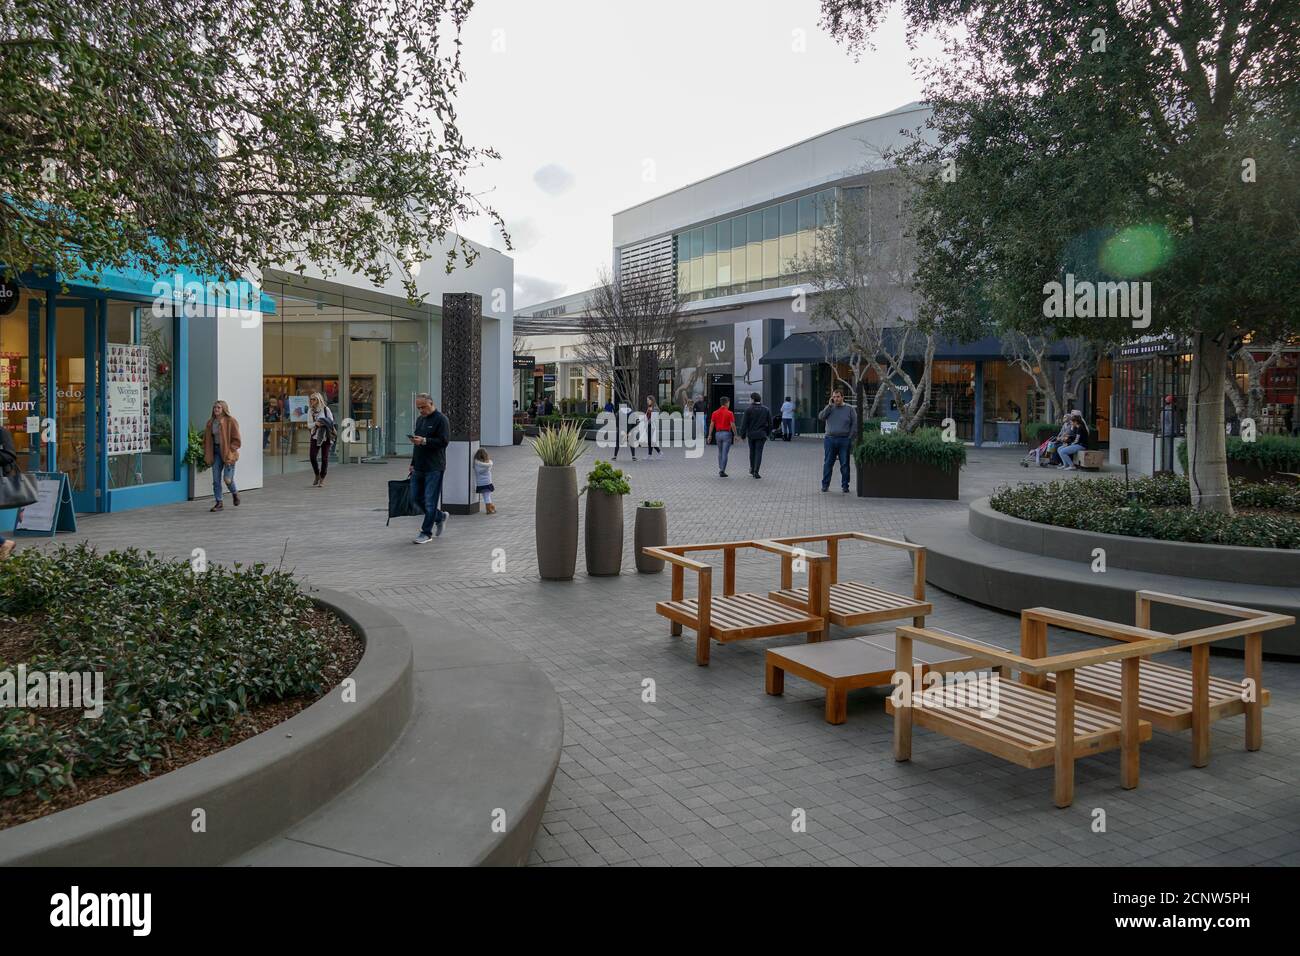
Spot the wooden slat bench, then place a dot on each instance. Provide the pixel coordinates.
(1031, 726)
(842, 666)
(853, 603)
(732, 616)
(1174, 698)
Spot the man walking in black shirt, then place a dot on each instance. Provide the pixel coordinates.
(755, 426)
(430, 437)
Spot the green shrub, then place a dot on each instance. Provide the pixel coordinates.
(1161, 509)
(559, 445)
(194, 451)
(182, 653)
(605, 477)
(1266, 452)
(871, 424)
(924, 446)
(1038, 432)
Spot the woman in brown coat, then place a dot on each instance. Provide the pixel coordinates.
(221, 451)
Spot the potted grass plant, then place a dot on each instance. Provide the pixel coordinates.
(651, 531)
(556, 522)
(194, 458)
(603, 534)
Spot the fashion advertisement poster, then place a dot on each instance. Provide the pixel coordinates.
(128, 399)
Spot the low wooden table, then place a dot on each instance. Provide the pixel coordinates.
(848, 664)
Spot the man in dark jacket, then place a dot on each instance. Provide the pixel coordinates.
(755, 427)
(430, 437)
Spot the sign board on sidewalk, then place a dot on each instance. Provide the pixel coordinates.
(53, 510)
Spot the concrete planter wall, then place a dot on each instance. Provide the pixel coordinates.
(248, 792)
(651, 531)
(907, 480)
(557, 522)
(603, 533)
(1272, 567)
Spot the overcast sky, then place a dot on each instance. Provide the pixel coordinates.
(596, 105)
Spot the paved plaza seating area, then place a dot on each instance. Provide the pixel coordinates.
(666, 762)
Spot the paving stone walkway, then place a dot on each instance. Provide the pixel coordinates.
(713, 771)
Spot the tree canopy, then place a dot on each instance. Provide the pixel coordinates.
(229, 135)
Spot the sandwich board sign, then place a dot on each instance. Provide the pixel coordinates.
(52, 511)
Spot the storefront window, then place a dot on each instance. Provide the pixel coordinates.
(19, 400)
(132, 324)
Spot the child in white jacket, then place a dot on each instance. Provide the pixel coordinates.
(483, 479)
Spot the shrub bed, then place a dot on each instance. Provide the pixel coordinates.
(924, 446)
(1266, 452)
(190, 662)
(1161, 510)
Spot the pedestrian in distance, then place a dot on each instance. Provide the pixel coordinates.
(722, 429)
(787, 419)
(755, 426)
(841, 428)
(651, 425)
(483, 479)
(221, 450)
(323, 432)
(430, 437)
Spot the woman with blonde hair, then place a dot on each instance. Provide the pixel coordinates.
(323, 431)
(221, 450)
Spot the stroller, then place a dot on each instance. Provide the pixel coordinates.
(1043, 455)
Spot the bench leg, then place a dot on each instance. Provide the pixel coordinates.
(837, 704)
(1063, 791)
(775, 682)
(1129, 708)
(675, 629)
(702, 648)
(1200, 705)
(918, 621)
(679, 590)
(1255, 708)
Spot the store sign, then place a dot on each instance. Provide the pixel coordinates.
(525, 362)
(128, 399)
(1149, 345)
(8, 296)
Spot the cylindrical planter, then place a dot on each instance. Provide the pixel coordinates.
(651, 532)
(519, 436)
(557, 522)
(604, 533)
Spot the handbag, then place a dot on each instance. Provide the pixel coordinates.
(17, 491)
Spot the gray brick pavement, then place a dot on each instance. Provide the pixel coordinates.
(710, 773)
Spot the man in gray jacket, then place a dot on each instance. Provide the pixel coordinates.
(841, 429)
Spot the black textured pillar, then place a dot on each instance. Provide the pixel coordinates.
(462, 330)
(647, 378)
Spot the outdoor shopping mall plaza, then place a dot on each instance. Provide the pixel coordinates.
(708, 769)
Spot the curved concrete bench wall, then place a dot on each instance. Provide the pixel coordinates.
(1272, 567)
(252, 790)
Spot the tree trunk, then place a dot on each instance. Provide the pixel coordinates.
(1207, 461)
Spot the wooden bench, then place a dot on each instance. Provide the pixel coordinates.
(842, 666)
(1174, 698)
(852, 603)
(1028, 725)
(732, 616)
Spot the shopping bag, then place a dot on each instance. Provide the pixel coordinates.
(17, 491)
(400, 502)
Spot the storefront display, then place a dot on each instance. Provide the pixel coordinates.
(128, 400)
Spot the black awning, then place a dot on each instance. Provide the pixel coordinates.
(805, 348)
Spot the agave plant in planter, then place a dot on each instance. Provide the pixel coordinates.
(557, 501)
(606, 486)
(651, 531)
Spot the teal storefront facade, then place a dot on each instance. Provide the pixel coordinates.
(69, 346)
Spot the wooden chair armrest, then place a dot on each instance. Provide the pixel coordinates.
(1199, 604)
(663, 554)
(785, 550)
(1084, 624)
(1077, 659)
(1220, 632)
(975, 649)
(887, 542)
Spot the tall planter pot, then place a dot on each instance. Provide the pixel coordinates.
(604, 533)
(651, 531)
(557, 522)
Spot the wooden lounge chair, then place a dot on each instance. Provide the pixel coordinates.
(853, 603)
(732, 616)
(1031, 726)
(1174, 698)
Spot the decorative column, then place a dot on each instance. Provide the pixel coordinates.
(647, 383)
(462, 330)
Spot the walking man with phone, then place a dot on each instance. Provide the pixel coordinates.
(841, 429)
(430, 437)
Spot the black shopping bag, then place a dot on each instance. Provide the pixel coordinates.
(400, 503)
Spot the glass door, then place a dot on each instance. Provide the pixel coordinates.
(402, 383)
(71, 341)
